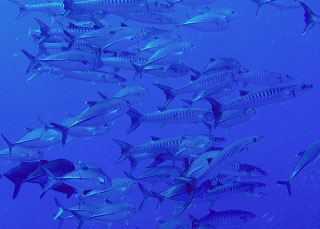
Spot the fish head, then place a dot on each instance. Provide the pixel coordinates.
(217, 139)
(230, 14)
(285, 78)
(300, 89)
(256, 138)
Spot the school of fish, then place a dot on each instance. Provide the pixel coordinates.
(79, 43)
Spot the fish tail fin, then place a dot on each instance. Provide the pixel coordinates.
(125, 147)
(146, 195)
(67, 4)
(71, 39)
(60, 209)
(22, 8)
(10, 144)
(138, 70)
(43, 29)
(309, 17)
(33, 61)
(51, 181)
(286, 183)
(168, 91)
(188, 202)
(129, 176)
(216, 109)
(63, 129)
(81, 218)
(158, 197)
(135, 119)
(16, 190)
(17, 184)
(133, 164)
(194, 221)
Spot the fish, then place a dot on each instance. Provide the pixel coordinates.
(146, 16)
(91, 75)
(199, 84)
(133, 93)
(36, 138)
(119, 189)
(173, 224)
(281, 4)
(51, 8)
(307, 159)
(98, 113)
(66, 60)
(221, 218)
(172, 71)
(207, 22)
(111, 212)
(21, 154)
(167, 55)
(263, 78)
(171, 116)
(235, 117)
(310, 18)
(221, 64)
(18, 174)
(259, 98)
(238, 169)
(81, 179)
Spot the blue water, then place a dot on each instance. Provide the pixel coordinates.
(271, 41)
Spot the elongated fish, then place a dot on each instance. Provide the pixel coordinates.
(307, 157)
(172, 116)
(199, 84)
(263, 78)
(259, 98)
(214, 218)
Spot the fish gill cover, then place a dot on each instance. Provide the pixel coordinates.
(153, 114)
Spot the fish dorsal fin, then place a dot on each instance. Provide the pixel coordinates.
(123, 24)
(82, 165)
(243, 92)
(91, 103)
(212, 211)
(73, 26)
(160, 108)
(28, 129)
(194, 77)
(42, 122)
(153, 138)
(103, 96)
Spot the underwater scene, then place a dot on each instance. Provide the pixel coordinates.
(169, 114)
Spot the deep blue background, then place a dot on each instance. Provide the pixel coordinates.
(271, 41)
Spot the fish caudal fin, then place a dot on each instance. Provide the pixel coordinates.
(43, 29)
(51, 181)
(135, 119)
(146, 195)
(33, 61)
(10, 145)
(309, 18)
(60, 209)
(81, 218)
(63, 129)
(216, 109)
(138, 70)
(125, 147)
(168, 91)
(286, 183)
(22, 9)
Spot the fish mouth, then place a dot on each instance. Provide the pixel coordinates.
(257, 138)
(307, 86)
(264, 173)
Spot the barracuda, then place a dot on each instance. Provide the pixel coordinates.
(263, 78)
(259, 98)
(206, 82)
(172, 116)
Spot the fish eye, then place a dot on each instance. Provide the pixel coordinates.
(233, 12)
